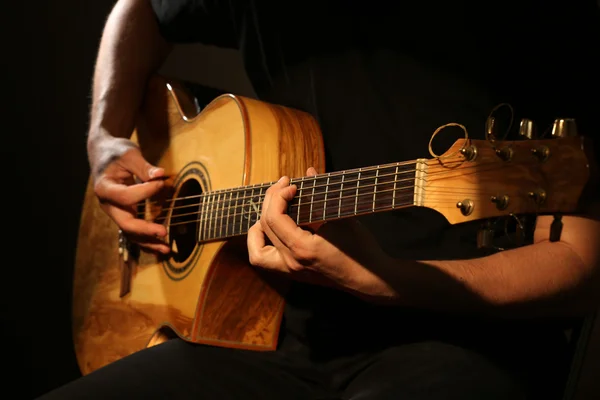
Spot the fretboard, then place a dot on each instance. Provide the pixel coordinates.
(232, 212)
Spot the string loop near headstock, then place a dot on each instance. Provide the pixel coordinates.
(441, 128)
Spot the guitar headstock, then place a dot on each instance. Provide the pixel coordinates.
(480, 179)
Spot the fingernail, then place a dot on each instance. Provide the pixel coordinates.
(152, 172)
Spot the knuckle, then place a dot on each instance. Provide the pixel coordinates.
(303, 250)
(295, 266)
(99, 188)
(269, 221)
(254, 259)
(299, 251)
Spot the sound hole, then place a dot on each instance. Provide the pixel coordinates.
(183, 226)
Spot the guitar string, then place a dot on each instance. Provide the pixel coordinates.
(324, 176)
(298, 179)
(293, 181)
(431, 176)
(437, 197)
(218, 214)
(441, 196)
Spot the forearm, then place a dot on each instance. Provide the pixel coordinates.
(544, 279)
(131, 50)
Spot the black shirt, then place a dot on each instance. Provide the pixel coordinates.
(380, 77)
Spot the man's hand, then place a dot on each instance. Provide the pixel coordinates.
(119, 194)
(339, 254)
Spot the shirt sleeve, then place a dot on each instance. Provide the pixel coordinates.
(210, 22)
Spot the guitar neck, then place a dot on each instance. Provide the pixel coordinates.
(232, 212)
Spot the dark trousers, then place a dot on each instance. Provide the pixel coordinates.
(419, 370)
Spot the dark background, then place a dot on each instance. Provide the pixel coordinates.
(47, 57)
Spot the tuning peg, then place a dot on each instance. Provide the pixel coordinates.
(490, 125)
(565, 127)
(526, 129)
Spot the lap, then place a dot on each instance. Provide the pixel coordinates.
(431, 371)
(179, 370)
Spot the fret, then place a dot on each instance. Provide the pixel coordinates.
(200, 233)
(228, 210)
(215, 213)
(341, 191)
(237, 196)
(210, 215)
(250, 208)
(357, 188)
(325, 201)
(260, 202)
(375, 187)
(394, 191)
(242, 212)
(219, 222)
(203, 222)
(299, 200)
(312, 200)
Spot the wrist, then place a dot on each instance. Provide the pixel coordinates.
(104, 148)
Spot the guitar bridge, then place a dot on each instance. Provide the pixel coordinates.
(128, 255)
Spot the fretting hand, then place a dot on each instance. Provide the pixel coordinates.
(340, 253)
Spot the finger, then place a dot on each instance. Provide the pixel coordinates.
(124, 195)
(311, 171)
(265, 207)
(151, 244)
(262, 255)
(279, 222)
(154, 247)
(134, 161)
(282, 182)
(135, 226)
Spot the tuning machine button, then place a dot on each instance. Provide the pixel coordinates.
(501, 201)
(505, 153)
(538, 196)
(541, 152)
(469, 152)
(466, 206)
(562, 128)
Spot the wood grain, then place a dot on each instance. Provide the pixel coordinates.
(563, 176)
(214, 296)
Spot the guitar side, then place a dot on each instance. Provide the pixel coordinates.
(211, 295)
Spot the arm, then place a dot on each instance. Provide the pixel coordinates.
(131, 50)
(543, 279)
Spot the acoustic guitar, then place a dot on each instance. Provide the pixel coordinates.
(219, 163)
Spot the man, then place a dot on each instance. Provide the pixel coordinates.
(422, 313)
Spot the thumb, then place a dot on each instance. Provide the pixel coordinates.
(135, 162)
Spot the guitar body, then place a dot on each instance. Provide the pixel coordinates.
(208, 293)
